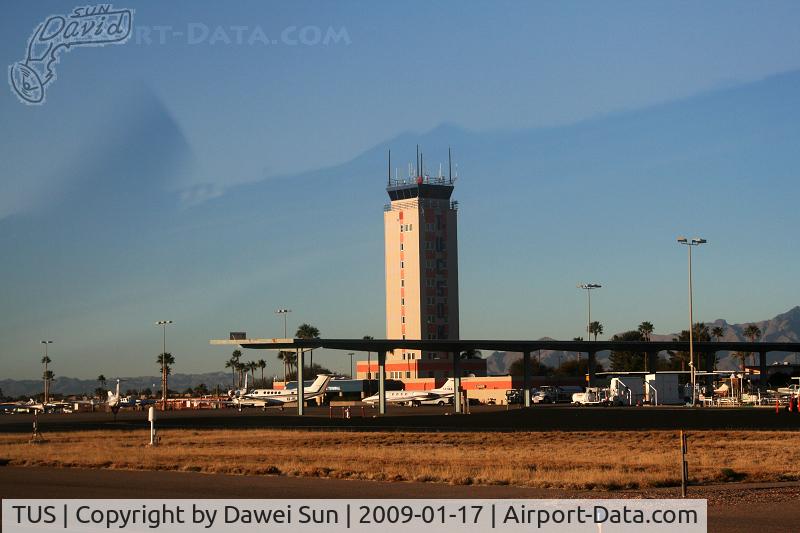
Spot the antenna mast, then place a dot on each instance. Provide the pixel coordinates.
(450, 165)
(417, 160)
(390, 168)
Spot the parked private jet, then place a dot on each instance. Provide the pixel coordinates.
(417, 397)
(33, 406)
(115, 400)
(278, 397)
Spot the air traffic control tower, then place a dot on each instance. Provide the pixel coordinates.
(421, 229)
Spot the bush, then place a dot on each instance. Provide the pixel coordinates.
(729, 474)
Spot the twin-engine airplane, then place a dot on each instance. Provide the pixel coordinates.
(278, 397)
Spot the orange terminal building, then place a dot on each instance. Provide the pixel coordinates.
(421, 261)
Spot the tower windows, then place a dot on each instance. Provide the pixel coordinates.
(441, 287)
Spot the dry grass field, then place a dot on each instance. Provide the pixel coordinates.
(576, 460)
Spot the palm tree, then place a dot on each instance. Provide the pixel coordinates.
(231, 363)
(596, 328)
(48, 378)
(235, 356)
(285, 356)
(165, 361)
(717, 332)
(262, 365)
(753, 333)
(307, 331)
(251, 366)
(472, 353)
(742, 356)
(577, 354)
(239, 373)
(646, 329)
(291, 361)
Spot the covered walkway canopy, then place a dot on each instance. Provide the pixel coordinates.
(382, 346)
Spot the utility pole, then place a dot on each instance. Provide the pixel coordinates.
(588, 287)
(695, 241)
(284, 312)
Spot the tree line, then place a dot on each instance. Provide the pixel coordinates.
(636, 361)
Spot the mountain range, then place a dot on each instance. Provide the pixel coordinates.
(785, 327)
(76, 386)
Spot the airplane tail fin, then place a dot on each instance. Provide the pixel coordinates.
(448, 385)
(320, 384)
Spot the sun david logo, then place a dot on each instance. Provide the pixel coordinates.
(97, 25)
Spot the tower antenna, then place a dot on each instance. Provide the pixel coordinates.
(417, 160)
(450, 165)
(390, 168)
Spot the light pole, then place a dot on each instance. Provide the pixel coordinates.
(164, 324)
(46, 378)
(588, 288)
(695, 241)
(351, 354)
(284, 312)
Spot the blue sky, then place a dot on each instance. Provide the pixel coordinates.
(178, 131)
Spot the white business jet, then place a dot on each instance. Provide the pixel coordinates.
(278, 397)
(439, 396)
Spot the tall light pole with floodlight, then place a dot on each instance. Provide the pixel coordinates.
(694, 241)
(46, 378)
(588, 287)
(164, 324)
(351, 354)
(283, 312)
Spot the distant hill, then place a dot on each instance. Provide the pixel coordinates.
(66, 385)
(785, 327)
